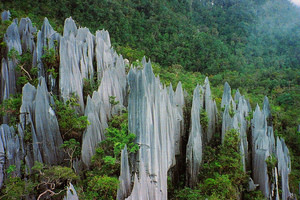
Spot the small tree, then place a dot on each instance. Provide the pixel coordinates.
(72, 148)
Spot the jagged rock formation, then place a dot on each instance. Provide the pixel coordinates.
(8, 74)
(37, 113)
(99, 108)
(47, 39)
(211, 111)
(153, 118)
(284, 166)
(71, 193)
(155, 115)
(194, 146)
(10, 151)
(125, 180)
(264, 148)
(5, 15)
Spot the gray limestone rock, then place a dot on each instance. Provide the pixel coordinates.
(46, 127)
(12, 38)
(46, 38)
(10, 152)
(104, 53)
(5, 15)
(8, 74)
(153, 118)
(194, 146)
(37, 114)
(284, 167)
(99, 109)
(211, 111)
(227, 98)
(227, 122)
(125, 177)
(71, 193)
(27, 31)
(237, 96)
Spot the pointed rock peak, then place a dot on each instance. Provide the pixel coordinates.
(171, 88)
(144, 61)
(257, 109)
(227, 86)
(70, 27)
(42, 84)
(237, 95)
(12, 38)
(266, 106)
(47, 25)
(206, 81)
(148, 69)
(5, 15)
(179, 86)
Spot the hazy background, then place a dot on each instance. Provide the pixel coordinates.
(297, 2)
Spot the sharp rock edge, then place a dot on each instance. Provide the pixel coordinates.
(195, 141)
(264, 146)
(99, 109)
(154, 119)
(5, 15)
(71, 193)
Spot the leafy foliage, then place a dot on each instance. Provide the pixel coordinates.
(72, 148)
(69, 121)
(11, 108)
(222, 175)
(103, 187)
(50, 59)
(26, 73)
(107, 157)
(51, 179)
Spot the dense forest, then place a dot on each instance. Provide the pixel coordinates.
(254, 45)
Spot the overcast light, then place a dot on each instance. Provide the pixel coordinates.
(297, 2)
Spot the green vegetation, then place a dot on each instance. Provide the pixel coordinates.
(52, 180)
(221, 175)
(253, 45)
(108, 155)
(70, 123)
(50, 59)
(89, 86)
(11, 108)
(203, 119)
(102, 187)
(102, 181)
(72, 149)
(26, 73)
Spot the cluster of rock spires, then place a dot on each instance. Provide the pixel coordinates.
(155, 115)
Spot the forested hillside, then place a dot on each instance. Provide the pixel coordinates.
(254, 45)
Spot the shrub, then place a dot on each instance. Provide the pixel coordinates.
(71, 124)
(11, 108)
(102, 187)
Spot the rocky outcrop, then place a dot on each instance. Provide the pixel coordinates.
(284, 167)
(5, 15)
(194, 146)
(153, 118)
(70, 79)
(211, 111)
(125, 178)
(8, 74)
(99, 108)
(27, 31)
(71, 193)
(38, 115)
(10, 151)
(47, 40)
(264, 148)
